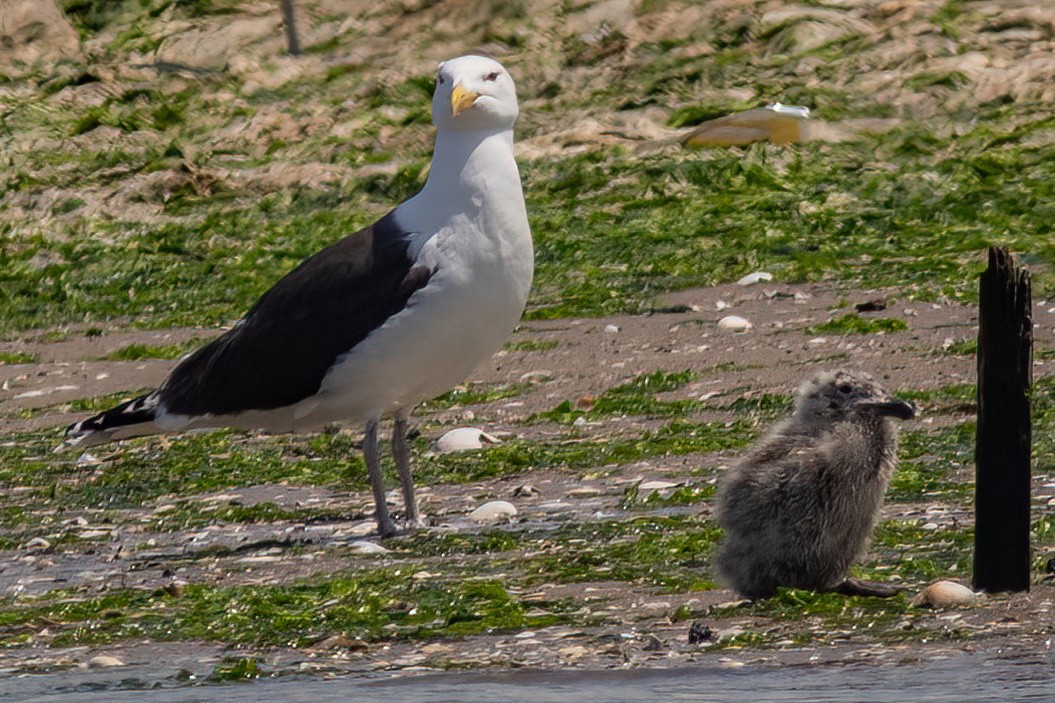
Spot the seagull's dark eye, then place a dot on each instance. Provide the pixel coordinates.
(439, 79)
(491, 76)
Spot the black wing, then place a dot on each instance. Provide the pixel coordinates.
(281, 350)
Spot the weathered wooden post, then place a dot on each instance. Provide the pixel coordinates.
(291, 28)
(1002, 450)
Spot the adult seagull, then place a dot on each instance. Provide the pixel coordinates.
(392, 315)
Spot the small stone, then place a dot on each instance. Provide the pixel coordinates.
(526, 491)
(944, 594)
(104, 662)
(463, 439)
(652, 644)
(753, 278)
(37, 544)
(611, 329)
(574, 652)
(871, 305)
(698, 632)
(494, 511)
(734, 323)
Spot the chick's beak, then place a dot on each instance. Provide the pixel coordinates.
(462, 99)
(894, 407)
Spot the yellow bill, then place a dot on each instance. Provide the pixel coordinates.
(462, 99)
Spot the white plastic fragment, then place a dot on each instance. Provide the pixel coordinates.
(495, 511)
(464, 438)
(753, 278)
(734, 323)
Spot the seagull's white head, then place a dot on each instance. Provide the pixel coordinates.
(474, 93)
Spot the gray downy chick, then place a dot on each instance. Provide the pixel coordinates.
(800, 507)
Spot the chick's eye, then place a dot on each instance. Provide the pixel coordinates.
(844, 389)
(491, 76)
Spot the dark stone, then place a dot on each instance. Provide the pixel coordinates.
(699, 632)
(871, 305)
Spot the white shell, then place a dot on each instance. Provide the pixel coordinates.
(463, 438)
(734, 323)
(361, 546)
(656, 485)
(944, 594)
(104, 662)
(753, 278)
(494, 511)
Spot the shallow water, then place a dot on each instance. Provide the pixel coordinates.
(963, 678)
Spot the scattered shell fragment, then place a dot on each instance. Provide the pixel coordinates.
(495, 511)
(753, 278)
(104, 662)
(656, 485)
(611, 329)
(464, 438)
(734, 323)
(944, 594)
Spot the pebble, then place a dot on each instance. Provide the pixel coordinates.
(494, 511)
(37, 544)
(944, 594)
(104, 662)
(734, 323)
(611, 329)
(753, 278)
(464, 438)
